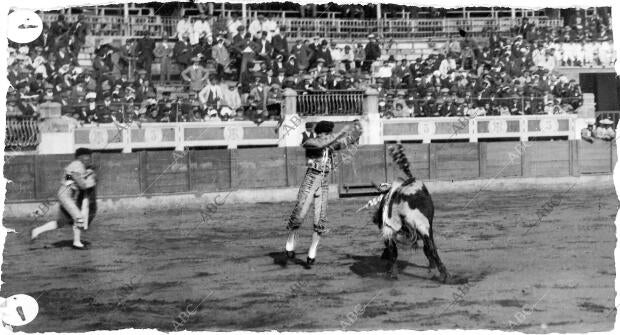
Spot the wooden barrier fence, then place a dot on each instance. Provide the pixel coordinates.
(37, 177)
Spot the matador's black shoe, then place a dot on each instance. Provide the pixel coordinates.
(290, 254)
(309, 262)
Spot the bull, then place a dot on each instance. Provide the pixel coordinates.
(405, 215)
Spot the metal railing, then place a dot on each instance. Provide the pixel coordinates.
(484, 106)
(22, 134)
(331, 28)
(336, 102)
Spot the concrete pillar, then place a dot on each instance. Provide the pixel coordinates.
(210, 6)
(292, 125)
(244, 14)
(587, 109)
(371, 120)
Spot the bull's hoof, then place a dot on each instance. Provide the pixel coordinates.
(393, 275)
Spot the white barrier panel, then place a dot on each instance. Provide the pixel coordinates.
(472, 128)
(232, 134)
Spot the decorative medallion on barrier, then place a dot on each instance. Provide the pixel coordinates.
(426, 128)
(233, 133)
(498, 126)
(549, 125)
(98, 137)
(152, 135)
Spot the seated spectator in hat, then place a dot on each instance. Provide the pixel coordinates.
(256, 27)
(144, 90)
(267, 79)
(277, 65)
(270, 26)
(236, 41)
(182, 51)
(279, 42)
(201, 27)
(195, 75)
(233, 26)
(221, 56)
(204, 49)
(211, 95)
(294, 82)
(302, 54)
(347, 58)
(372, 52)
(231, 96)
(259, 94)
(274, 102)
(336, 54)
(37, 85)
(263, 48)
(604, 130)
(323, 52)
(320, 82)
(184, 28)
(78, 93)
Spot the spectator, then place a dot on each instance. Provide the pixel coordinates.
(210, 96)
(372, 52)
(302, 55)
(359, 55)
(256, 27)
(200, 29)
(279, 42)
(231, 97)
(324, 53)
(263, 48)
(145, 52)
(79, 30)
(221, 56)
(164, 51)
(196, 75)
(182, 51)
(233, 26)
(184, 28)
(270, 26)
(58, 27)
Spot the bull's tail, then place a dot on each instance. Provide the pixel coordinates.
(398, 156)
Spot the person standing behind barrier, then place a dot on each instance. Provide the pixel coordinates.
(372, 52)
(163, 51)
(196, 75)
(144, 51)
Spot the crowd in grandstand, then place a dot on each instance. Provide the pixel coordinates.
(238, 72)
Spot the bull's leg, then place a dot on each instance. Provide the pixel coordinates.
(430, 250)
(393, 257)
(386, 251)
